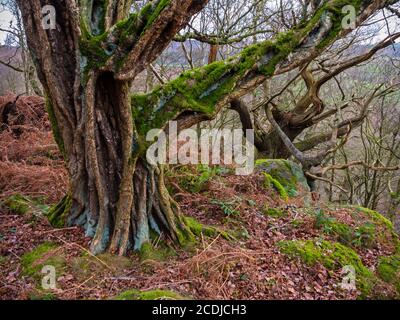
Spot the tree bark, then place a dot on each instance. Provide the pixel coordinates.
(114, 194)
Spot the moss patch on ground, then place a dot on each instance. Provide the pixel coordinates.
(57, 215)
(3, 260)
(383, 228)
(21, 205)
(47, 253)
(195, 179)
(86, 265)
(161, 252)
(376, 217)
(389, 270)
(199, 229)
(149, 295)
(333, 256)
(274, 212)
(40, 295)
(359, 236)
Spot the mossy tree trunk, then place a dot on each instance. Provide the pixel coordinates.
(86, 66)
(114, 193)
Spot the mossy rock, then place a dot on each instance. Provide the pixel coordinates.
(296, 223)
(274, 212)
(389, 270)
(289, 175)
(333, 256)
(362, 235)
(376, 217)
(47, 253)
(22, 205)
(382, 228)
(149, 295)
(269, 182)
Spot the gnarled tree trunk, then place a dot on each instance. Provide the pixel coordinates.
(115, 194)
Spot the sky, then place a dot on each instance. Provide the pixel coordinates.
(5, 18)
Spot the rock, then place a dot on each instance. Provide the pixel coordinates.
(289, 174)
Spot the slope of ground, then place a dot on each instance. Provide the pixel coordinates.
(282, 243)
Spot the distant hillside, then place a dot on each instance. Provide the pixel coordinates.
(11, 81)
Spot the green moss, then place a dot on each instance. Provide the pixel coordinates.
(296, 223)
(93, 14)
(47, 253)
(58, 214)
(200, 90)
(199, 229)
(17, 204)
(333, 256)
(97, 45)
(241, 233)
(228, 207)
(162, 4)
(40, 295)
(21, 205)
(360, 236)
(364, 235)
(376, 217)
(289, 174)
(333, 10)
(270, 181)
(389, 270)
(197, 90)
(162, 252)
(274, 212)
(149, 295)
(54, 127)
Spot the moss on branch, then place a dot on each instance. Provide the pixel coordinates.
(200, 90)
(98, 46)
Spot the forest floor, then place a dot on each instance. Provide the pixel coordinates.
(250, 267)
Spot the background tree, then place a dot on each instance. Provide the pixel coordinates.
(20, 61)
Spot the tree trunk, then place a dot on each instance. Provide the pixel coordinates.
(116, 195)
